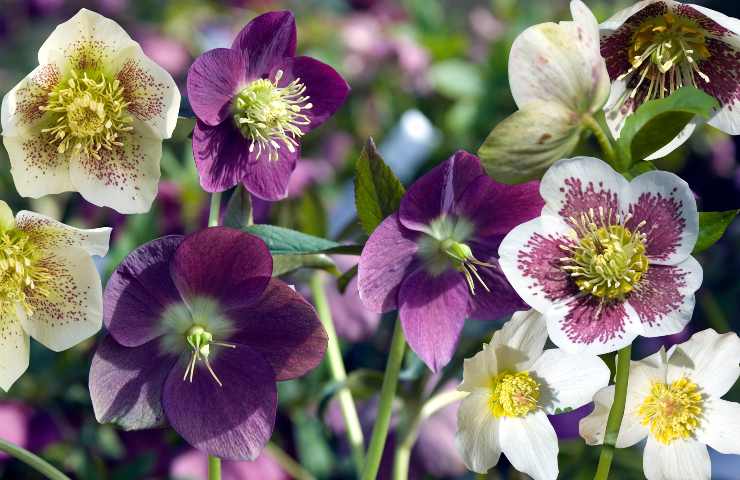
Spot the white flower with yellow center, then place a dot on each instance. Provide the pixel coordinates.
(91, 117)
(49, 287)
(513, 385)
(673, 400)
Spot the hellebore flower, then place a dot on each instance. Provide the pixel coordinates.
(653, 48)
(49, 287)
(513, 386)
(608, 260)
(254, 102)
(91, 117)
(557, 78)
(674, 401)
(199, 334)
(435, 259)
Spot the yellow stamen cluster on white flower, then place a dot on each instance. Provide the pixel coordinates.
(672, 410)
(20, 272)
(513, 394)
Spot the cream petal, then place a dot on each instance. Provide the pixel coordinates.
(519, 343)
(36, 166)
(531, 445)
(73, 311)
(479, 369)
(680, 459)
(15, 348)
(568, 381)
(20, 109)
(477, 437)
(124, 179)
(48, 233)
(7, 220)
(720, 426)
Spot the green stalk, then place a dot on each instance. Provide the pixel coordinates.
(604, 142)
(338, 372)
(286, 462)
(615, 414)
(32, 460)
(385, 406)
(214, 468)
(215, 209)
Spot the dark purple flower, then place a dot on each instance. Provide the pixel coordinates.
(199, 334)
(435, 259)
(254, 101)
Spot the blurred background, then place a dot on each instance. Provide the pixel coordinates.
(428, 77)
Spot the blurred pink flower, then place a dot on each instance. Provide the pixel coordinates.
(193, 465)
(167, 52)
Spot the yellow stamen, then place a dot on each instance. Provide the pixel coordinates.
(513, 394)
(672, 410)
(21, 274)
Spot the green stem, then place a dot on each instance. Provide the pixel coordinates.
(604, 141)
(215, 209)
(615, 414)
(385, 406)
(286, 462)
(214, 468)
(432, 406)
(713, 311)
(338, 372)
(32, 460)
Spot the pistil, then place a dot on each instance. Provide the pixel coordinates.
(465, 262)
(200, 341)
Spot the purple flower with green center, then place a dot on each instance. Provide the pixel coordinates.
(435, 260)
(254, 102)
(199, 334)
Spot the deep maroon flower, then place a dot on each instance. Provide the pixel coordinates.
(435, 259)
(199, 334)
(254, 101)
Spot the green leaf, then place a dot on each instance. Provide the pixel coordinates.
(378, 191)
(657, 122)
(284, 241)
(238, 212)
(639, 168)
(712, 226)
(311, 215)
(346, 277)
(282, 264)
(456, 78)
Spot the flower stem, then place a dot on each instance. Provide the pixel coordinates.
(214, 468)
(286, 462)
(338, 372)
(385, 406)
(432, 406)
(215, 209)
(604, 141)
(615, 414)
(32, 460)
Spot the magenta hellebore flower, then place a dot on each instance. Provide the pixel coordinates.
(199, 334)
(435, 259)
(254, 101)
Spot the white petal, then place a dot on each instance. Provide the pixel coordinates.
(520, 341)
(87, 36)
(37, 168)
(720, 425)
(560, 62)
(150, 90)
(74, 310)
(578, 184)
(709, 359)
(20, 108)
(680, 139)
(615, 117)
(727, 119)
(48, 233)
(643, 373)
(479, 370)
(531, 445)
(124, 179)
(477, 437)
(667, 205)
(568, 381)
(616, 20)
(593, 427)
(14, 349)
(681, 459)
(730, 23)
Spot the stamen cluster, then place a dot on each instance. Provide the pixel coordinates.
(200, 340)
(20, 273)
(513, 394)
(672, 410)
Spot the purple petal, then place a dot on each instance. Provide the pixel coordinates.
(126, 384)
(267, 40)
(283, 328)
(213, 80)
(139, 290)
(435, 448)
(385, 261)
(221, 155)
(222, 263)
(233, 421)
(502, 299)
(437, 192)
(269, 179)
(325, 88)
(432, 311)
(352, 320)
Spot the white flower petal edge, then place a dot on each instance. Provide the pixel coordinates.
(616, 20)
(721, 426)
(477, 436)
(681, 459)
(15, 349)
(531, 445)
(48, 233)
(520, 341)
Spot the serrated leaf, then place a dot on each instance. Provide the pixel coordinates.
(238, 212)
(657, 122)
(282, 264)
(284, 241)
(378, 191)
(712, 226)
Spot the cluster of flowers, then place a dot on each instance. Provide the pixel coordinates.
(199, 331)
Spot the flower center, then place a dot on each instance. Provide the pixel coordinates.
(88, 113)
(513, 394)
(665, 52)
(464, 261)
(20, 272)
(200, 340)
(268, 114)
(607, 262)
(672, 410)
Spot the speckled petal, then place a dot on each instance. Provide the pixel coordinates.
(15, 349)
(47, 233)
(267, 40)
(20, 108)
(36, 166)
